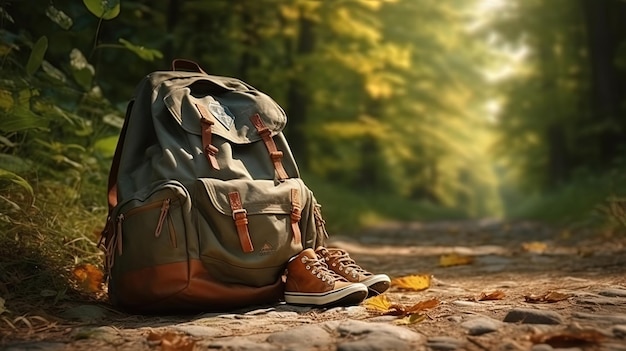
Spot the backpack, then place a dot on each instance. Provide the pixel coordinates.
(206, 204)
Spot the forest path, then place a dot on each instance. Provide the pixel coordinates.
(513, 262)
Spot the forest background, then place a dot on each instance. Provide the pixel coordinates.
(408, 110)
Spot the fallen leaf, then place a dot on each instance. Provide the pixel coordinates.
(496, 295)
(566, 339)
(537, 247)
(411, 319)
(383, 305)
(424, 305)
(549, 297)
(378, 303)
(401, 310)
(170, 341)
(417, 282)
(88, 277)
(2, 309)
(454, 259)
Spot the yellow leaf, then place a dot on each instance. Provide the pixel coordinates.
(89, 277)
(537, 247)
(411, 319)
(454, 259)
(416, 282)
(378, 303)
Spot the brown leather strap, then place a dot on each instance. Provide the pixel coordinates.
(275, 154)
(209, 150)
(115, 165)
(296, 211)
(241, 221)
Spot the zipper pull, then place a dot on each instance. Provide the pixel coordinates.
(164, 209)
(118, 236)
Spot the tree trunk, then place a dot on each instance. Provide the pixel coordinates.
(298, 94)
(606, 87)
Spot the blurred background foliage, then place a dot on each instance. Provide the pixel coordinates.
(398, 109)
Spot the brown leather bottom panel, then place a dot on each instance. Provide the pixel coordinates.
(185, 287)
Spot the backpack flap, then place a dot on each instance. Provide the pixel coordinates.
(249, 229)
(221, 122)
(231, 111)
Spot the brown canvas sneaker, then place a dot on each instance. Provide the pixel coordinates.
(340, 262)
(310, 282)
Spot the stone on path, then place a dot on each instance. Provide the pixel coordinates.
(37, 346)
(308, 335)
(445, 343)
(620, 331)
(614, 292)
(243, 344)
(373, 336)
(198, 330)
(616, 318)
(481, 325)
(533, 316)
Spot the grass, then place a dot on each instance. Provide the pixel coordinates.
(41, 243)
(585, 201)
(347, 211)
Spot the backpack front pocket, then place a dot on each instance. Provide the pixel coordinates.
(150, 229)
(248, 229)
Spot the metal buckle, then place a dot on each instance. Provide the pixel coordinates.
(241, 210)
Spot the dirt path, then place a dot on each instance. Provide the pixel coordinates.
(514, 262)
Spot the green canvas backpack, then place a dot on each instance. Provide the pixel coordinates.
(206, 205)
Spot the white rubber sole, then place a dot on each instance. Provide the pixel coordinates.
(352, 294)
(377, 284)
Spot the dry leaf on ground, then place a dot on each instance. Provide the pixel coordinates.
(566, 339)
(549, 297)
(170, 341)
(454, 259)
(383, 305)
(417, 282)
(88, 277)
(378, 303)
(411, 319)
(537, 247)
(495, 295)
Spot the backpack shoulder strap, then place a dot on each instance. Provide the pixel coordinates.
(115, 165)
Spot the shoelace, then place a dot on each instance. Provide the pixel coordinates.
(347, 263)
(321, 270)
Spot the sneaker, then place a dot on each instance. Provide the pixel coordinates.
(310, 282)
(340, 262)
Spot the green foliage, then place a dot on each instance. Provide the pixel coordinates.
(104, 9)
(36, 56)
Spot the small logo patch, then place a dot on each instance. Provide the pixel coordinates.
(267, 248)
(222, 114)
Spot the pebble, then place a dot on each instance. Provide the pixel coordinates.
(533, 316)
(462, 303)
(607, 301)
(37, 346)
(481, 325)
(620, 331)
(242, 344)
(311, 335)
(356, 328)
(601, 318)
(198, 330)
(615, 292)
(445, 343)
